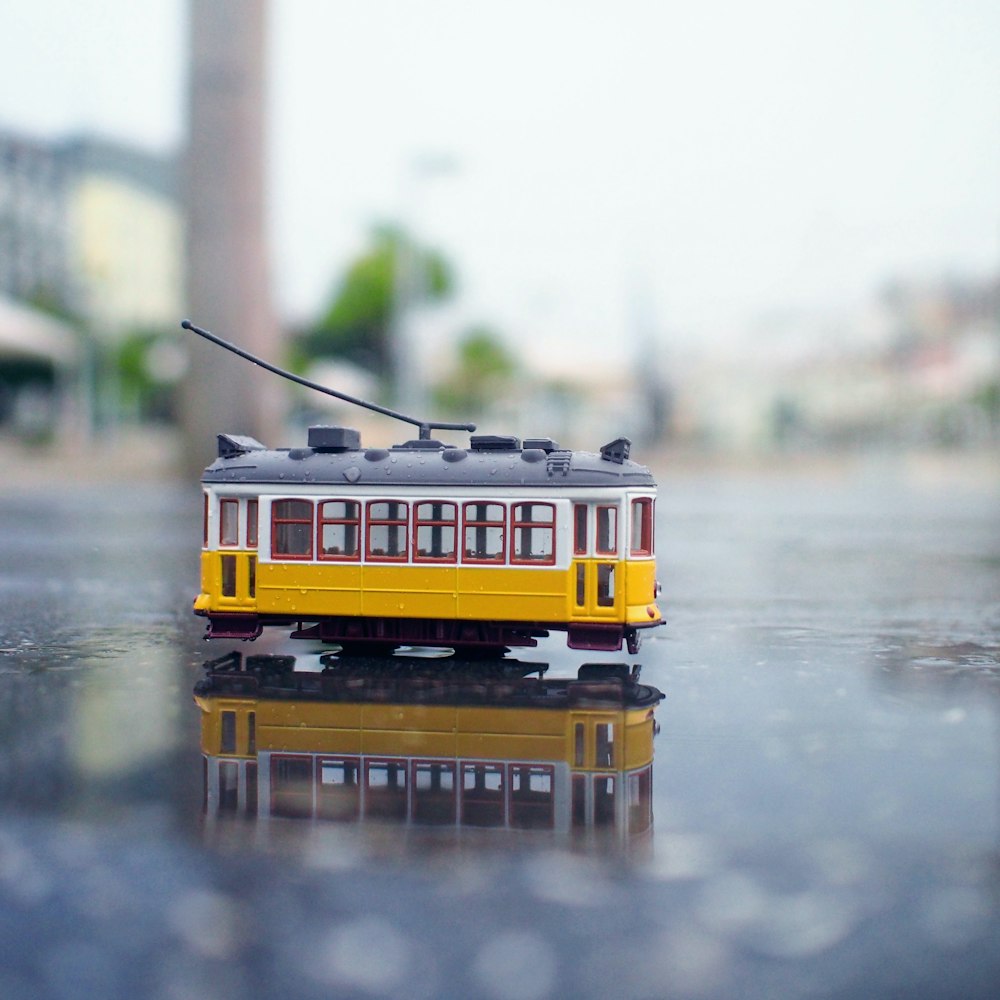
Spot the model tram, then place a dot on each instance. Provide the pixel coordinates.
(396, 741)
(477, 548)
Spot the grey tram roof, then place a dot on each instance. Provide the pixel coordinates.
(335, 457)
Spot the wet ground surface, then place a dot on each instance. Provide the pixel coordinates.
(826, 789)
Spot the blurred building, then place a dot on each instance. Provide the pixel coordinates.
(34, 221)
(916, 366)
(38, 356)
(90, 229)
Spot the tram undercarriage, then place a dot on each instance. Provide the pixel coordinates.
(383, 634)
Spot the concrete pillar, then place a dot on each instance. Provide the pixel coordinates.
(227, 279)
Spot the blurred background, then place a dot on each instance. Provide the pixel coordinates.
(724, 229)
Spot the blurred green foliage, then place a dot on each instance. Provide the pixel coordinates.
(391, 272)
(146, 391)
(484, 369)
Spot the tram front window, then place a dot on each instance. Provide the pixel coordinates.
(604, 800)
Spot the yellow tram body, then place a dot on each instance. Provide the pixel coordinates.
(303, 591)
(474, 750)
(529, 538)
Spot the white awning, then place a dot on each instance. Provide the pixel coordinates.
(28, 333)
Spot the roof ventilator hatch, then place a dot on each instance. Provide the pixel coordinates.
(231, 445)
(328, 438)
(616, 451)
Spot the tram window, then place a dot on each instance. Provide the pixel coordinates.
(387, 529)
(642, 527)
(251, 733)
(250, 808)
(291, 786)
(435, 529)
(434, 792)
(578, 741)
(252, 516)
(292, 529)
(229, 785)
(339, 529)
(578, 804)
(229, 522)
(606, 585)
(607, 531)
(485, 524)
(338, 794)
(204, 521)
(227, 739)
(251, 576)
(604, 800)
(581, 584)
(604, 745)
(580, 531)
(532, 803)
(482, 794)
(640, 801)
(228, 576)
(385, 790)
(534, 533)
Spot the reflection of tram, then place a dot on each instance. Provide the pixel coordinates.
(479, 746)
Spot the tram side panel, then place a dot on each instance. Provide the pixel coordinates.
(573, 582)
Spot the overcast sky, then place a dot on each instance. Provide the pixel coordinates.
(716, 161)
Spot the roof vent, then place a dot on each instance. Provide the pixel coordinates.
(558, 461)
(616, 451)
(545, 444)
(231, 445)
(495, 442)
(322, 438)
(419, 444)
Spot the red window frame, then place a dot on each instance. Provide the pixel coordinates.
(252, 523)
(639, 792)
(277, 521)
(375, 522)
(517, 522)
(292, 780)
(340, 800)
(612, 510)
(229, 503)
(581, 523)
(391, 800)
(531, 809)
(479, 804)
(433, 805)
(442, 522)
(644, 544)
(322, 521)
(475, 522)
(204, 521)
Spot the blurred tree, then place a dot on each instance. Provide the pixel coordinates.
(485, 369)
(392, 272)
(148, 364)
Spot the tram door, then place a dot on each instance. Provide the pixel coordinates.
(597, 755)
(595, 556)
(237, 570)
